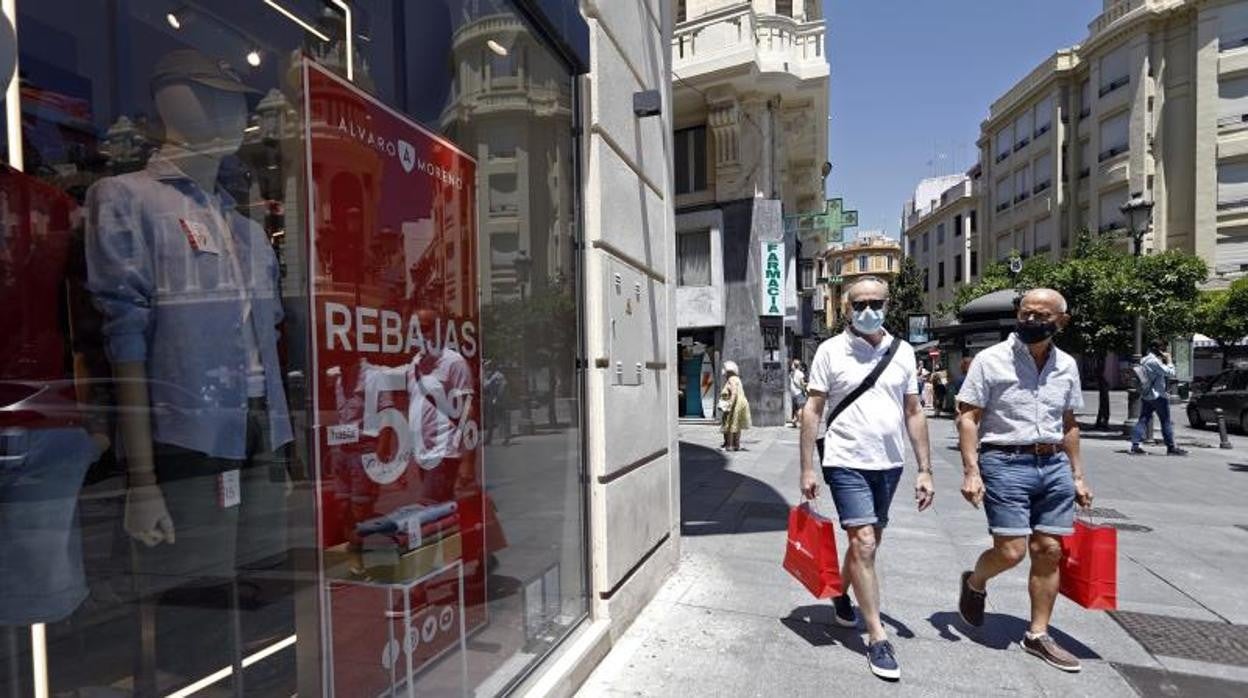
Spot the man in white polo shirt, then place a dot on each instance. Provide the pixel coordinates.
(864, 447)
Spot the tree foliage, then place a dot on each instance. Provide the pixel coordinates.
(905, 298)
(1222, 315)
(1106, 287)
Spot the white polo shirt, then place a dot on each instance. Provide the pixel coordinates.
(870, 434)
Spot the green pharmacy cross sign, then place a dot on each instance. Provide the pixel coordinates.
(773, 278)
(829, 224)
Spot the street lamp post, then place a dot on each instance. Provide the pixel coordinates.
(524, 267)
(1139, 213)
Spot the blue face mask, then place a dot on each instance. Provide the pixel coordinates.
(868, 321)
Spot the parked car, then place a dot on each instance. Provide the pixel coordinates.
(1229, 391)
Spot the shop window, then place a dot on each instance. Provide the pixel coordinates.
(164, 275)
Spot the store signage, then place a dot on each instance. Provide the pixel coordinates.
(772, 287)
(918, 328)
(395, 388)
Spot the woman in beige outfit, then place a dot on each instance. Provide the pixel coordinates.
(734, 407)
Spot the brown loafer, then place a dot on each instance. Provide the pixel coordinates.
(971, 602)
(1046, 648)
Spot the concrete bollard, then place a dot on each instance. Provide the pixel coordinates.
(1225, 440)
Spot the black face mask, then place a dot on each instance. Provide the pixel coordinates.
(1032, 332)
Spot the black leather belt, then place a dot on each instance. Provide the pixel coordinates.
(1027, 449)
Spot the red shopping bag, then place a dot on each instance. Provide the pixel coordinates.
(1090, 566)
(810, 554)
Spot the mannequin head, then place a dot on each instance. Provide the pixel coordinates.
(201, 102)
(202, 119)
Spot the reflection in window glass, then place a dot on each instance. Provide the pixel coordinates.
(174, 511)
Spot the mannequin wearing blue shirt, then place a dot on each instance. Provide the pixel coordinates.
(188, 288)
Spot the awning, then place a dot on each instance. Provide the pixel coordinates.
(1200, 341)
(926, 345)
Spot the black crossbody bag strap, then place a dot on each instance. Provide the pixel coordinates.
(866, 385)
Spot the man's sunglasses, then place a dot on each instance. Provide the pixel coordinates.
(860, 306)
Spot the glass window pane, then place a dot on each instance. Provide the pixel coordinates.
(219, 485)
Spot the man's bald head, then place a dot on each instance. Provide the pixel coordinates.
(868, 287)
(1043, 305)
(1056, 301)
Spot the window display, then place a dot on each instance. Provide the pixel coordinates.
(278, 412)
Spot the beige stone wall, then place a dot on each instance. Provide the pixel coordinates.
(632, 468)
(1171, 107)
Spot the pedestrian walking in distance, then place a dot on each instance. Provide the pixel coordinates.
(734, 407)
(797, 390)
(1155, 368)
(869, 378)
(1020, 459)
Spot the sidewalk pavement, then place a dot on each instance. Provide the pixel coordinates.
(731, 622)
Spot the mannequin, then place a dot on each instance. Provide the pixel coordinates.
(202, 126)
(189, 292)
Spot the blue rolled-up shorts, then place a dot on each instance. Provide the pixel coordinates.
(862, 497)
(1025, 493)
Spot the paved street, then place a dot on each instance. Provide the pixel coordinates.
(731, 622)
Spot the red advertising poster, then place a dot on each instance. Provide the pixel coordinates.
(396, 385)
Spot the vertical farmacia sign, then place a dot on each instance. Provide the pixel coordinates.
(772, 288)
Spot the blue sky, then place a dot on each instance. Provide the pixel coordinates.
(913, 79)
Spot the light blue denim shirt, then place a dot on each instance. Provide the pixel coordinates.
(1022, 405)
(1158, 373)
(180, 310)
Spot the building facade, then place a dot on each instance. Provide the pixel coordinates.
(344, 360)
(1152, 103)
(872, 254)
(942, 236)
(750, 89)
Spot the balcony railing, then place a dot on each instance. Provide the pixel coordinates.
(1021, 144)
(737, 35)
(1002, 206)
(1233, 204)
(1042, 130)
(1001, 156)
(1116, 12)
(1022, 197)
(1042, 186)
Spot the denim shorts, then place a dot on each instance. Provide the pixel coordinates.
(862, 497)
(1025, 493)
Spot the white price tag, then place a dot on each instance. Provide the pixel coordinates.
(229, 489)
(413, 533)
(199, 237)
